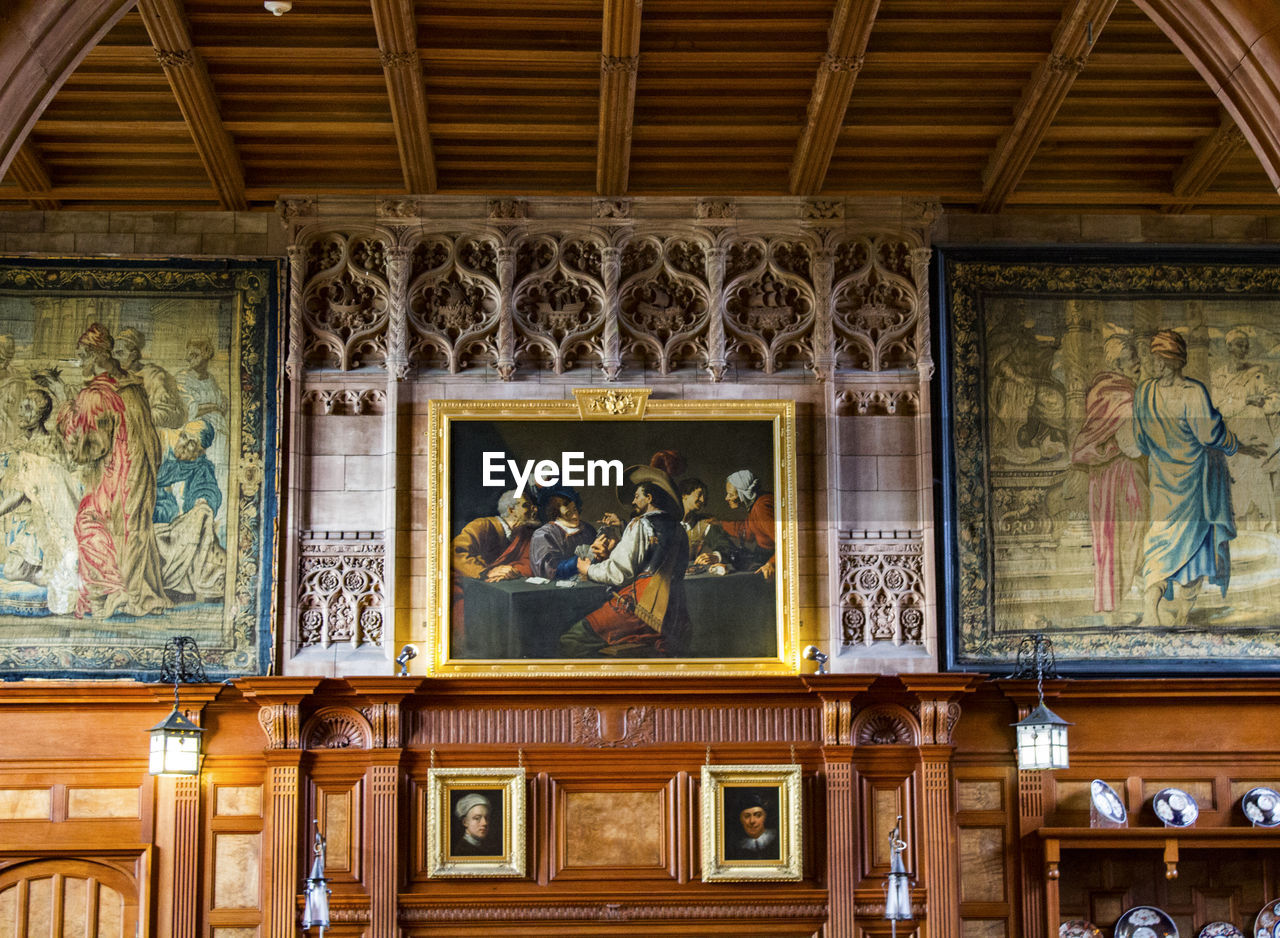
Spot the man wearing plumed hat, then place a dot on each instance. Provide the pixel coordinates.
(645, 614)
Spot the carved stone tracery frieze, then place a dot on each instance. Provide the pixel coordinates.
(350, 402)
(803, 285)
(882, 589)
(340, 590)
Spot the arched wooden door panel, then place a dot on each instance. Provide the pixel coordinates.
(67, 899)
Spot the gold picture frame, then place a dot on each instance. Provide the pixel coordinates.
(476, 822)
(730, 610)
(752, 823)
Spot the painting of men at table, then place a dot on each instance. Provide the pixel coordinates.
(608, 542)
(1119, 450)
(117, 529)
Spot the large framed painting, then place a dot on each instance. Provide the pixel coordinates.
(138, 476)
(612, 534)
(1110, 440)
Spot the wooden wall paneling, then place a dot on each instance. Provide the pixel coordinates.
(284, 831)
(608, 829)
(234, 806)
(985, 800)
(382, 814)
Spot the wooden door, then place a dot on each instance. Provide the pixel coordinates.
(67, 899)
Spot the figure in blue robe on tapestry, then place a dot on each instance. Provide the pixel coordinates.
(187, 502)
(1187, 444)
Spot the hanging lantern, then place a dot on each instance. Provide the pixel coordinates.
(897, 899)
(316, 911)
(175, 741)
(1041, 734)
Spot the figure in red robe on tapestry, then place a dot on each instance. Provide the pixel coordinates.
(108, 431)
(1118, 499)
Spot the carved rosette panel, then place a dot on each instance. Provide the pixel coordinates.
(337, 728)
(769, 301)
(882, 592)
(559, 300)
(665, 301)
(340, 592)
(876, 304)
(346, 300)
(454, 299)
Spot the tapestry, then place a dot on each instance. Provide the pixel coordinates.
(1111, 425)
(138, 474)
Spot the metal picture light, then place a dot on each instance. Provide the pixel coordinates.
(175, 741)
(316, 911)
(1041, 734)
(897, 899)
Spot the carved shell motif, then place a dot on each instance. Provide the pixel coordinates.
(345, 300)
(453, 299)
(884, 728)
(769, 306)
(875, 304)
(559, 299)
(665, 301)
(337, 728)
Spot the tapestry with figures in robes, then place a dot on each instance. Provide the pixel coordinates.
(138, 476)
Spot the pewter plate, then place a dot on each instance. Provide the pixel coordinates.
(1079, 928)
(1107, 801)
(1175, 807)
(1262, 806)
(1145, 921)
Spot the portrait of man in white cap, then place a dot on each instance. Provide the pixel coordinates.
(477, 823)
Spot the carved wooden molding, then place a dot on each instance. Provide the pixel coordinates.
(166, 24)
(397, 30)
(882, 588)
(613, 728)
(938, 720)
(384, 724)
(619, 68)
(1081, 23)
(29, 172)
(337, 728)
(280, 722)
(341, 589)
(847, 38)
(612, 912)
(885, 725)
(1203, 165)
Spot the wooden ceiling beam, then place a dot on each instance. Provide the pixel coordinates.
(166, 24)
(619, 68)
(1073, 40)
(29, 172)
(829, 100)
(402, 67)
(1205, 162)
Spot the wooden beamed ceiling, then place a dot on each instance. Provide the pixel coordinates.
(985, 105)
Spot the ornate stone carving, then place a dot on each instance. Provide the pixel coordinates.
(716, 210)
(769, 303)
(611, 209)
(344, 401)
(175, 58)
(822, 210)
(293, 209)
(340, 590)
(346, 301)
(397, 208)
(875, 302)
(508, 209)
(665, 301)
(880, 401)
(559, 300)
(336, 728)
(884, 726)
(882, 590)
(454, 299)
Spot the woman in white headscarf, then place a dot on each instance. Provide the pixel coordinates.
(756, 535)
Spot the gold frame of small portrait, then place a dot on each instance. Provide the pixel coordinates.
(716, 780)
(441, 783)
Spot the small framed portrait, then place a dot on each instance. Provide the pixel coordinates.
(476, 822)
(751, 822)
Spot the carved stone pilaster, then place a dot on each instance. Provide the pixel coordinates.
(824, 338)
(717, 350)
(505, 362)
(920, 258)
(611, 340)
(882, 588)
(340, 589)
(398, 266)
(297, 277)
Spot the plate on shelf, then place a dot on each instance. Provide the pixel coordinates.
(1264, 924)
(1107, 801)
(1220, 930)
(1145, 921)
(1175, 807)
(1262, 806)
(1079, 928)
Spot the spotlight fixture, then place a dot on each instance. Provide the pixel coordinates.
(407, 654)
(278, 7)
(813, 653)
(1041, 734)
(175, 741)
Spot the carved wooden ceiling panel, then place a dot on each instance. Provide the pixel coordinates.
(1019, 105)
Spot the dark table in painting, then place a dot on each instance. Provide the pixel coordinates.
(732, 616)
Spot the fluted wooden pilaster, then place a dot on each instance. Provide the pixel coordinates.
(281, 900)
(186, 857)
(619, 68)
(383, 847)
(397, 28)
